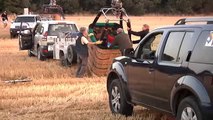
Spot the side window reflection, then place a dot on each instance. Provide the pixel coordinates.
(148, 48)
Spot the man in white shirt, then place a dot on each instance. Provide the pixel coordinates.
(82, 51)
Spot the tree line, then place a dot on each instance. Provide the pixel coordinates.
(133, 7)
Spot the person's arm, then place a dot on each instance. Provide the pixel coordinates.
(136, 41)
(140, 33)
(95, 43)
(85, 41)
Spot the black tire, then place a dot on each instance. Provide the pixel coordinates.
(75, 56)
(71, 55)
(39, 54)
(30, 54)
(12, 36)
(189, 105)
(64, 61)
(118, 99)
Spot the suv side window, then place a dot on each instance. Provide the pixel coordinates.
(202, 52)
(185, 46)
(172, 46)
(175, 45)
(147, 49)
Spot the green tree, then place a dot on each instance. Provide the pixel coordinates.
(70, 6)
(92, 5)
(13, 6)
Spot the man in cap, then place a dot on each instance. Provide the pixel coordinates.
(4, 18)
(122, 40)
(82, 51)
(141, 34)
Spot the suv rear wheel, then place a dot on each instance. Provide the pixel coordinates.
(71, 55)
(117, 101)
(39, 54)
(188, 109)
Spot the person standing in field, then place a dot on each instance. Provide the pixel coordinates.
(122, 40)
(141, 34)
(82, 51)
(4, 18)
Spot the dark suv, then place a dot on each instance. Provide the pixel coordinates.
(171, 70)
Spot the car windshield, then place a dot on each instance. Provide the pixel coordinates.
(25, 19)
(54, 29)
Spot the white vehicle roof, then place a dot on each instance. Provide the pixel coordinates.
(55, 22)
(27, 15)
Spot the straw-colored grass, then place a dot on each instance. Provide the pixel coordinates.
(54, 92)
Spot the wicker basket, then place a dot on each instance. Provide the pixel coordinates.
(100, 60)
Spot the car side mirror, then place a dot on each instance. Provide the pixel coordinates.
(129, 52)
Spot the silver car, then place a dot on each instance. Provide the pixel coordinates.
(40, 41)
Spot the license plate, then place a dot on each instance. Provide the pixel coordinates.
(50, 48)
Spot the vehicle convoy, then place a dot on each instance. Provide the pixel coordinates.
(171, 70)
(40, 41)
(100, 57)
(29, 22)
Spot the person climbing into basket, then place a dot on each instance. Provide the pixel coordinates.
(81, 49)
(141, 34)
(122, 40)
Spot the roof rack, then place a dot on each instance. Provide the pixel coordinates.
(183, 21)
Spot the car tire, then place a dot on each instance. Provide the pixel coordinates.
(189, 108)
(64, 61)
(75, 56)
(71, 55)
(117, 101)
(12, 36)
(39, 54)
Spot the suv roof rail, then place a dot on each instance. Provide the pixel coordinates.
(183, 21)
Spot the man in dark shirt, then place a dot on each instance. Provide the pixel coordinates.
(4, 18)
(122, 41)
(81, 49)
(141, 34)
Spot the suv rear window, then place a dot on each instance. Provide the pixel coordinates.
(25, 19)
(203, 49)
(54, 29)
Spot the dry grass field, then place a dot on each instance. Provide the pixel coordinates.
(54, 92)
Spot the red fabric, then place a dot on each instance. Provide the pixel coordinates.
(110, 38)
